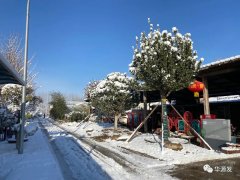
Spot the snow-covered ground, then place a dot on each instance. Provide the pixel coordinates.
(91, 150)
(148, 144)
(88, 159)
(36, 162)
(142, 157)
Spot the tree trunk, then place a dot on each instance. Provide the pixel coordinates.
(165, 129)
(145, 111)
(117, 115)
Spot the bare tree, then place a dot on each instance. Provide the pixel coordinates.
(13, 51)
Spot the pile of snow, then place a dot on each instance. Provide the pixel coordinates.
(93, 117)
(231, 148)
(233, 144)
(31, 128)
(82, 128)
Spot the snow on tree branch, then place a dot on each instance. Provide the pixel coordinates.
(165, 61)
(113, 94)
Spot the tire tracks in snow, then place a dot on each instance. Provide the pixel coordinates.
(75, 162)
(121, 160)
(63, 165)
(134, 163)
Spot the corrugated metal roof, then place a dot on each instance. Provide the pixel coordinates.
(8, 74)
(220, 62)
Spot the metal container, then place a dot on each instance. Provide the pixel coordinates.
(216, 131)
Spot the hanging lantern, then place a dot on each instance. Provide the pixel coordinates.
(196, 87)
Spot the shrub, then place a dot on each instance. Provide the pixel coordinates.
(28, 116)
(77, 116)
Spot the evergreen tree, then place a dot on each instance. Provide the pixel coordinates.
(164, 61)
(89, 88)
(59, 107)
(113, 95)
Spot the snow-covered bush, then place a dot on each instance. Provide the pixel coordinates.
(6, 118)
(31, 128)
(77, 115)
(113, 94)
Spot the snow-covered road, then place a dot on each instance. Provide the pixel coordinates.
(87, 159)
(73, 156)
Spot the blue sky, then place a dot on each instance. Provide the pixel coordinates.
(76, 41)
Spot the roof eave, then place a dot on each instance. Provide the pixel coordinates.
(12, 72)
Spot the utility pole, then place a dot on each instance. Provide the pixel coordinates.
(23, 105)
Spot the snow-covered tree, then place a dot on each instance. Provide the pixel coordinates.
(113, 94)
(32, 106)
(164, 61)
(89, 88)
(12, 50)
(12, 95)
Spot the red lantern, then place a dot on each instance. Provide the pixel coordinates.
(196, 87)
